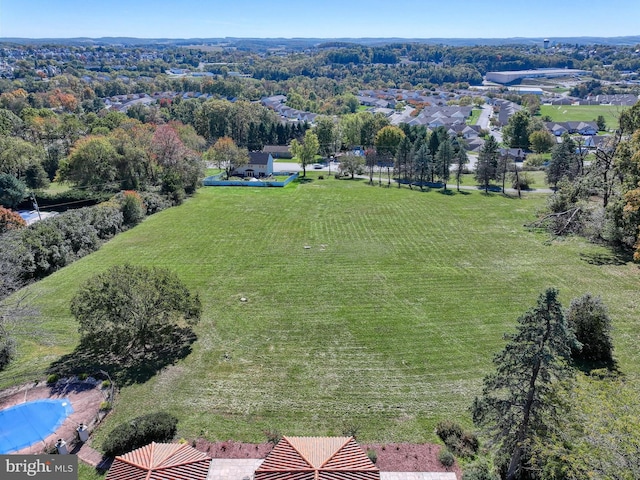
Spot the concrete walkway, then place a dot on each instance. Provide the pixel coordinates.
(91, 457)
(233, 468)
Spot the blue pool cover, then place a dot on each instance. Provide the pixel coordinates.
(25, 424)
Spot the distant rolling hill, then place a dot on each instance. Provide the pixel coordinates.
(302, 43)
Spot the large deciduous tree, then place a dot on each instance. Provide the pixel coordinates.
(226, 154)
(127, 310)
(305, 152)
(352, 164)
(387, 140)
(541, 141)
(517, 399)
(91, 164)
(516, 132)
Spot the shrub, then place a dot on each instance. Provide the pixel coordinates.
(133, 210)
(533, 162)
(107, 219)
(273, 436)
(373, 456)
(7, 349)
(105, 384)
(83, 376)
(51, 379)
(590, 321)
(12, 190)
(350, 429)
(104, 406)
(447, 429)
(479, 471)
(446, 458)
(153, 427)
(523, 179)
(154, 202)
(456, 439)
(10, 220)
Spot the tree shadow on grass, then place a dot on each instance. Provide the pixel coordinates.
(126, 369)
(448, 192)
(602, 368)
(615, 257)
(303, 180)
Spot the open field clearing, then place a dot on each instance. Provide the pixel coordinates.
(583, 113)
(387, 322)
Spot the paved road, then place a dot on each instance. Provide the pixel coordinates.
(485, 115)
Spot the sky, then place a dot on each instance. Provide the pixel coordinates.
(318, 18)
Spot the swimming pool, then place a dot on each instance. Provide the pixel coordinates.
(25, 424)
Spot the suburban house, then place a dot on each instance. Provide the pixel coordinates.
(260, 165)
(513, 154)
(583, 128)
(278, 151)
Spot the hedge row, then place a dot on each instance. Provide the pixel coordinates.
(153, 427)
(34, 252)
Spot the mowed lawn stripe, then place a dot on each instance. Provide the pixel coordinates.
(387, 321)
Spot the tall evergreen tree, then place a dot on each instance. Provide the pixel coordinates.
(403, 159)
(516, 400)
(486, 168)
(423, 161)
(443, 160)
(565, 162)
(461, 159)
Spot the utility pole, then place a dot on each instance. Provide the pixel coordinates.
(35, 205)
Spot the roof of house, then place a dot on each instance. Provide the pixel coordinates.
(259, 158)
(161, 461)
(317, 458)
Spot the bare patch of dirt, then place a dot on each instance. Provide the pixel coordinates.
(231, 449)
(410, 457)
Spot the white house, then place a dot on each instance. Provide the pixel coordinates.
(260, 165)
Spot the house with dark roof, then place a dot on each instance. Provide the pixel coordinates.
(260, 165)
(278, 151)
(583, 128)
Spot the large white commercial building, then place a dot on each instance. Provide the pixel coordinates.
(512, 76)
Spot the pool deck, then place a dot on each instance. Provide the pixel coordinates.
(85, 398)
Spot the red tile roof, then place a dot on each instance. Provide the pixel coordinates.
(317, 458)
(161, 461)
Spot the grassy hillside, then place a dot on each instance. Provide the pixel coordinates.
(388, 322)
(583, 113)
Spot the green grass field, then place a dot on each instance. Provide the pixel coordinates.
(475, 114)
(387, 322)
(583, 113)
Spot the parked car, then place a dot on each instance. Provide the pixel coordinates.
(317, 166)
